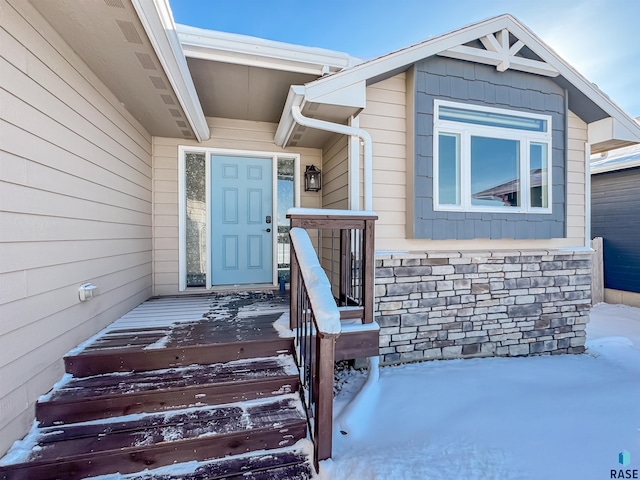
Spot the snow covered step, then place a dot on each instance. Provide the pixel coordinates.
(132, 443)
(97, 362)
(178, 345)
(291, 463)
(114, 394)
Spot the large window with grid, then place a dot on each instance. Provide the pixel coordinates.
(491, 160)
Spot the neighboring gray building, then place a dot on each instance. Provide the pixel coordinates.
(615, 207)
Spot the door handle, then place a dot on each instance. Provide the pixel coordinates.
(268, 230)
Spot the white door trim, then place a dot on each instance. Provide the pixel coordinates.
(208, 152)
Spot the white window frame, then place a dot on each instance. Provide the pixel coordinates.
(182, 204)
(465, 132)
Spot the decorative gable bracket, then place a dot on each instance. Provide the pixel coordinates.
(496, 49)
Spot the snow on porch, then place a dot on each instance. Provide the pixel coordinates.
(229, 311)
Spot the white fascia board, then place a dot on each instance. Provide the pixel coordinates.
(619, 159)
(248, 60)
(609, 129)
(600, 131)
(405, 57)
(349, 96)
(592, 92)
(295, 97)
(157, 20)
(612, 166)
(259, 52)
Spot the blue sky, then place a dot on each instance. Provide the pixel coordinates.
(598, 37)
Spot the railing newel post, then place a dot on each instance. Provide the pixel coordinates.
(325, 354)
(368, 289)
(294, 288)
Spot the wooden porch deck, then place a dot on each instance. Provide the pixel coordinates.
(192, 381)
(179, 388)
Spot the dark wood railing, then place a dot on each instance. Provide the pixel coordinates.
(345, 245)
(318, 325)
(330, 281)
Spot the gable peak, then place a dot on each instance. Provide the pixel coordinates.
(503, 50)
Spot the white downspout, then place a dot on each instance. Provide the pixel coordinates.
(354, 166)
(345, 130)
(587, 197)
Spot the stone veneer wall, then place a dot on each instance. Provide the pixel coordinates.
(461, 305)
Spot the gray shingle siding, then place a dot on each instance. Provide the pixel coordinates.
(615, 203)
(466, 82)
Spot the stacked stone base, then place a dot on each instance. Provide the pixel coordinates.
(461, 305)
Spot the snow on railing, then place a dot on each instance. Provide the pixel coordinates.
(317, 320)
(316, 282)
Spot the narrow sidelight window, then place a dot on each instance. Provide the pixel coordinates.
(538, 163)
(286, 191)
(196, 216)
(449, 169)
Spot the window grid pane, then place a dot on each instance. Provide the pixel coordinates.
(539, 175)
(495, 172)
(449, 169)
(492, 119)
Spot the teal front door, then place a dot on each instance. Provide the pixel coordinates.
(241, 223)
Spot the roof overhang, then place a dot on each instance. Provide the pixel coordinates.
(132, 47)
(503, 42)
(336, 107)
(619, 159)
(610, 133)
(157, 20)
(248, 78)
(258, 52)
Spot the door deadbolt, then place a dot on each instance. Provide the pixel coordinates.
(268, 219)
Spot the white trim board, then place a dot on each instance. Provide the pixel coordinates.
(259, 52)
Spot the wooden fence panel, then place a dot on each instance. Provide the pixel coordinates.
(597, 272)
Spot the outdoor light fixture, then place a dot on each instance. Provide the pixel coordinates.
(312, 179)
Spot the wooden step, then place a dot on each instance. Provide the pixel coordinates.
(135, 442)
(125, 360)
(116, 394)
(179, 345)
(292, 463)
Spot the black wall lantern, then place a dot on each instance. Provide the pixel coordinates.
(312, 179)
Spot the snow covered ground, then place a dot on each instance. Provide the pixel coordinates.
(547, 417)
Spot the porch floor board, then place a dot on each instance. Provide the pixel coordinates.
(113, 394)
(218, 313)
(171, 332)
